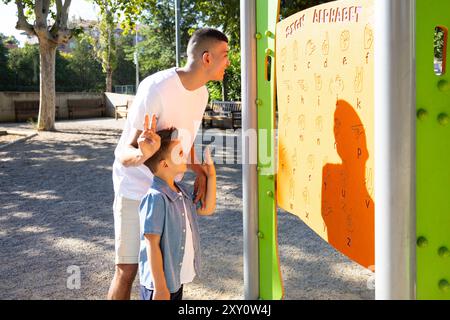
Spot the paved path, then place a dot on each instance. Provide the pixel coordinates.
(56, 196)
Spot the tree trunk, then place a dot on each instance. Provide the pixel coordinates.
(109, 75)
(46, 119)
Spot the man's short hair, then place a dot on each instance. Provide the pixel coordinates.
(202, 39)
(167, 136)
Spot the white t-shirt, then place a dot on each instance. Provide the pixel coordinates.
(187, 273)
(164, 95)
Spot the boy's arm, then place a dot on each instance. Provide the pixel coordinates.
(155, 261)
(209, 204)
(142, 146)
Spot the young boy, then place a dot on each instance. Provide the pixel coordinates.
(170, 247)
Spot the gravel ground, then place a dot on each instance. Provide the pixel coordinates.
(56, 198)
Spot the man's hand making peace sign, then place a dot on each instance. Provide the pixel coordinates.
(143, 146)
(149, 142)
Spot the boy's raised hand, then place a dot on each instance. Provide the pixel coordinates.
(149, 141)
(200, 184)
(208, 163)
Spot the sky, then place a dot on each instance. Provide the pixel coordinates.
(8, 16)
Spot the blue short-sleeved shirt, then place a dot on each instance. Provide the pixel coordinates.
(162, 212)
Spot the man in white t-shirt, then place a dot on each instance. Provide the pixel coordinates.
(175, 98)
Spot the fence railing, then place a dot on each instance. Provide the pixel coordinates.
(127, 89)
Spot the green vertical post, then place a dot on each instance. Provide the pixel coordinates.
(267, 13)
(433, 156)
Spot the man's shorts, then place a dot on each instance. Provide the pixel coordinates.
(126, 229)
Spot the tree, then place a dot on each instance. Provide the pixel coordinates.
(223, 14)
(76, 71)
(439, 43)
(25, 63)
(4, 70)
(85, 67)
(290, 7)
(126, 69)
(157, 51)
(112, 13)
(227, 19)
(64, 76)
(105, 45)
(9, 41)
(49, 36)
(50, 26)
(233, 76)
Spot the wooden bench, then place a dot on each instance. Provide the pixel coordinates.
(207, 117)
(226, 114)
(28, 109)
(122, 110)
(86, 107)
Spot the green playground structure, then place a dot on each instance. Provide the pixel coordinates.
(432, 155)
(412, 149)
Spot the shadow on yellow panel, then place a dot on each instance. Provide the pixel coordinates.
(347, 208)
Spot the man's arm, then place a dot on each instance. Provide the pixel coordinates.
(142, 146)
(155, 261)
(209, 204)
(200, 180)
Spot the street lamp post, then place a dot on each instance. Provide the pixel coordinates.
(177, 32)
(136, 60)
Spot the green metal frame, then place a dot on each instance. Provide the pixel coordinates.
(433, 157)
(269, 270)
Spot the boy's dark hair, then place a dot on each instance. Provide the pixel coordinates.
(167, 136)
(201, 38)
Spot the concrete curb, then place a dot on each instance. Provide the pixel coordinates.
(19, 133)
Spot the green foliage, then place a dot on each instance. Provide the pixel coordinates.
(114, 12)
(78, 71)
(24, 63)
(215, 90)
(125, 73)
(4, 70)
(85, 69)
(82, 69)
(126, 12)
(439, 43)
(290, 7)
(10, 40)
(221, 14)
(63, 74)
(233, 76)
(225, 16)
(105, 45)
(157, 50)
(155, 53)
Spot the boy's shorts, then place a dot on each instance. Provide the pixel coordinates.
(147, 294)
(126, 229)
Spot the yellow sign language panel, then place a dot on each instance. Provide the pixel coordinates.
(325, 93)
